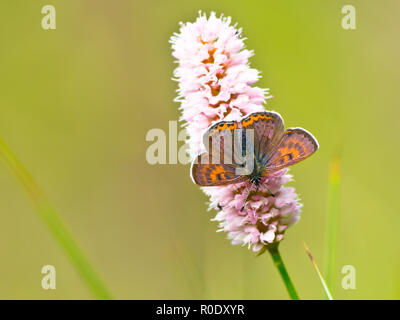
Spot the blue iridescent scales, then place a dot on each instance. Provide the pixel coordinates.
(273, 148)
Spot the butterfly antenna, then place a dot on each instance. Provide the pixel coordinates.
(271, 193)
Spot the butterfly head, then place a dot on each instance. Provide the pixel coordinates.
(256, 181)
(256, 176)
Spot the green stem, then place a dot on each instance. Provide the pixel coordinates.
(54, 223)
(278, 262)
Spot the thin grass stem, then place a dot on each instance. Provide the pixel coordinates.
(321, 278)
(332, 223)
(55, 225)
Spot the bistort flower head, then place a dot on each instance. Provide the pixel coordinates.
(264, 218)
(215, 83)
(214, 76)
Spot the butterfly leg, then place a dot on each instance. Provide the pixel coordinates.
(271, 193)
(248, 194)
(247, 197)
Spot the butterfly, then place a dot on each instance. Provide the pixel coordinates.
(235, 156)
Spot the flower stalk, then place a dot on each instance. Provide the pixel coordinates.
(278, 262)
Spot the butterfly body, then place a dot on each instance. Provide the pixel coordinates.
(250, 149)
(257, 174)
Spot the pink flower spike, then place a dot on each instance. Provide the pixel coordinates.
(213, 64)
(215, 82)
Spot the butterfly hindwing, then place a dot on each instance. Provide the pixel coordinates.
(296, 145)
(268, 130)
(206, 173)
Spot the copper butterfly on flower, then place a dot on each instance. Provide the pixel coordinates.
(231, 150)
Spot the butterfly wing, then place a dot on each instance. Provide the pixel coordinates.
(296, 145)
(273, 148)
(219, 141)
(229, 148)
(268, 130)
(206, 173)
(218, 166)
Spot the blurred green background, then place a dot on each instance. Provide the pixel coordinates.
(76, 104)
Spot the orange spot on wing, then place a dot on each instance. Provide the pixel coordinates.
(254, 118)
(217, 170)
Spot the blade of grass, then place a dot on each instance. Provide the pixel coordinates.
(332, 223)
(328, 294)
(54, 224)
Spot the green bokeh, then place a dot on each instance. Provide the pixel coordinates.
(76, 104)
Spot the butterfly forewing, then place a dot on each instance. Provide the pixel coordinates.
(218, 165)
(268, 130)
(220, 141)
(296, 145)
